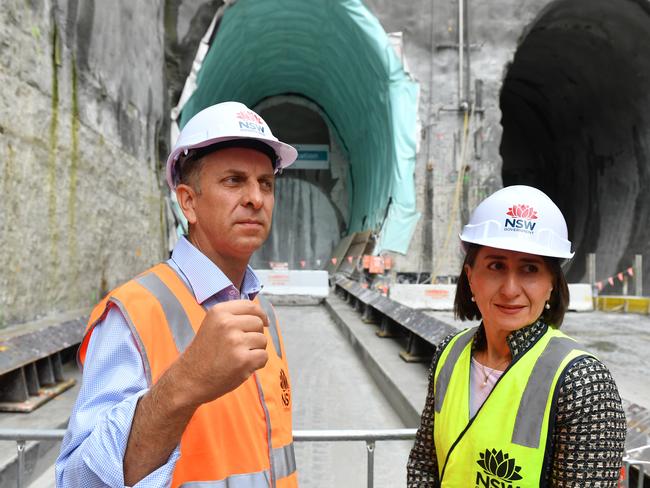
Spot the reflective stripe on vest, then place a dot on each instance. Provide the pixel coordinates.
(284, 460)
(269, 434)
(249, 480)
(163, 315)
(530, 415)
(505, 443)
(442, 382)
(177, 319)
(136, 338)
(179, 323)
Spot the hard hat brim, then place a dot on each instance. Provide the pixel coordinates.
(285, 153)
(524, 246)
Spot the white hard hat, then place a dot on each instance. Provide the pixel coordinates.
(223, 122)
(519, 218)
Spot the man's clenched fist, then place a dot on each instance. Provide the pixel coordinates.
(229, 347)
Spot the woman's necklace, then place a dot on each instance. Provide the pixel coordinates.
(486, 375)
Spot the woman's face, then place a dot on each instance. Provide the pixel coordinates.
(510, 287)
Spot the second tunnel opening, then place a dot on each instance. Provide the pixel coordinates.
(575, 123)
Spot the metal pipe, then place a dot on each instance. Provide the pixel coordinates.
(461, 53)
(354, 435)
(638, 274)
(20, 446)
(637, 449)
(641, 477)
(591, 272)
(21, 435)
(370, 446)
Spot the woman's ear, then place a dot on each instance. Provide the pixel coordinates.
(186, 197)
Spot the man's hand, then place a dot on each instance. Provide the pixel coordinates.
(227, 349)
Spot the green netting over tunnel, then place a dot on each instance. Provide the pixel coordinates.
(337, 55)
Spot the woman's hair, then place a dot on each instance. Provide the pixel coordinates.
(466, 309)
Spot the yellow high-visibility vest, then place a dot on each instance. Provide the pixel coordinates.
(505, 444)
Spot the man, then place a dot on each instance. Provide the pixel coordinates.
(185, 375)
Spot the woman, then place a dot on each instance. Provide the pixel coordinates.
(514, 402)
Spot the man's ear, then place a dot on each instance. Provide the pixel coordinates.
(186, 197)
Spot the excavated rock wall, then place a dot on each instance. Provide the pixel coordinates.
(81, 110)
(559, 98)
(458, 161)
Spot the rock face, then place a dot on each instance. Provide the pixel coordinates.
(556, 99)
(81, 112)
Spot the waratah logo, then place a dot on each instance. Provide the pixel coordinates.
(522, 219)
(500, 465)
(522, 211)
(286, 389)
(249, 116)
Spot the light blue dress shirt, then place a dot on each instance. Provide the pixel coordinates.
(92, 451)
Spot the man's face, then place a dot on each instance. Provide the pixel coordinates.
(231, 212)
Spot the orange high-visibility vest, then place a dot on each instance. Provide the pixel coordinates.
(243, 438)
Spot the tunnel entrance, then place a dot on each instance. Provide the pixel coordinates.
(311, 199)
(338, 57)
(575, 122)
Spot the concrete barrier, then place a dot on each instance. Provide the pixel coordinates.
(441, 297)
(581, 299)
(294, 282)
(424, 297)
(622, 303)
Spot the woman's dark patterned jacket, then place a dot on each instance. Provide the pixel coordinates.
(589, 434)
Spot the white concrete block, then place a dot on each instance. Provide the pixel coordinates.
(294, 282)
(441, 297)
(581, 299)
(424, 297)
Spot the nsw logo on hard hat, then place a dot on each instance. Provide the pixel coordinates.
(251, 122)
(520, 218)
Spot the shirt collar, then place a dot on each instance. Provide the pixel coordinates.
(519, 341)
(204, 277)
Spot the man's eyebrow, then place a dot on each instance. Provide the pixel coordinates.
(239, 172)
(235, 171)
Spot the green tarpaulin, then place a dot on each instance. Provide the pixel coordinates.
(336, 54)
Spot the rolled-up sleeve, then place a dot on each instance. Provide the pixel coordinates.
(92, 452)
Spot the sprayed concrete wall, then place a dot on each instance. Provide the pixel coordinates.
(81, 108)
